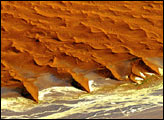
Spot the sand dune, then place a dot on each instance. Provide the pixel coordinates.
(68, 39)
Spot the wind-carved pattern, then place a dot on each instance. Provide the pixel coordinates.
(82, 44)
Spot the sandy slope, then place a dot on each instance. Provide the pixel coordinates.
(68, 39)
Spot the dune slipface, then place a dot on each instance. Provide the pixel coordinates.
(116, 39)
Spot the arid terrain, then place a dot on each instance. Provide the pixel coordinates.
(85, 44)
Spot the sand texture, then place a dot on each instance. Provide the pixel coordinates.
(80, 41)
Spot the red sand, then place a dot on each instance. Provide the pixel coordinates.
(120, 37)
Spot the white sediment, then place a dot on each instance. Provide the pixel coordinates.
(79, 101)
(148, 73)
(138, 78)
(160, 71)
(90, 85)
(142, 75)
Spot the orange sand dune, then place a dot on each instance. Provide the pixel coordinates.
(65, 38)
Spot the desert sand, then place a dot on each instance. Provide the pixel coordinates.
(122, 40)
